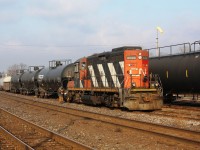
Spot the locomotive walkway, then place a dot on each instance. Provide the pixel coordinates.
(172, 135)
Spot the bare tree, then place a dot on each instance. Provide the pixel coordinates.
(22, 66)
(14, 69)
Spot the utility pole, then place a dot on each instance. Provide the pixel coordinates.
(158, 29)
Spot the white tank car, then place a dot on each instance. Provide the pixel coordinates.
(6, 83)
(1, 83)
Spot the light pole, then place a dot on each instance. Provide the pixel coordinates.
(158, 29)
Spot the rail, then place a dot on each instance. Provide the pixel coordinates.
(16, 142)
(174, 135)
(22, 125)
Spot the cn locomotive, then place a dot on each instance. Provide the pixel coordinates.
(118, 78)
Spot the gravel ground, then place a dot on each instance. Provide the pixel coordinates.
(136, 115)
(96, 134)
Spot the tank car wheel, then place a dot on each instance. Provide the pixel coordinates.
(45, 95)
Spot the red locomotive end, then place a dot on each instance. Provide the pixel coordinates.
(136, 69)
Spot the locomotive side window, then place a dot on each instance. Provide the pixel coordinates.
(131, 57)
(76, 68)
(102, 57)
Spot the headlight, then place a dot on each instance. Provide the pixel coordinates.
(156, 84)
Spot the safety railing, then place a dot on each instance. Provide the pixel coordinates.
(195, 46)
(174, 49)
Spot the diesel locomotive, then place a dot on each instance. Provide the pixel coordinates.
(118, 78)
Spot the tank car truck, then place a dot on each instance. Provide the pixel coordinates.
(119, 78)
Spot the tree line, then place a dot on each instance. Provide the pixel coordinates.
(14, 69)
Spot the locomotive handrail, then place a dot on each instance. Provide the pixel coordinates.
(125, 79)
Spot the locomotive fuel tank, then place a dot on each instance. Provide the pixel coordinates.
(178, 73)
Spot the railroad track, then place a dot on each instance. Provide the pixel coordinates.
(173, 135)
(177, 113)
(182, 107)
(21, 134)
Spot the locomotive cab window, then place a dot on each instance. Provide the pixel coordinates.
(83, 65)
(131, 57)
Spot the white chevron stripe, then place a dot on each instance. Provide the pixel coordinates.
(121, 63)
(113, 74)
(81, 85)
(102, 74)
(94, 79)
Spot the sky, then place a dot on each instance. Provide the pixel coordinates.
(34, 32)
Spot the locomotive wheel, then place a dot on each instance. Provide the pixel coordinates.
(108, 101)
(69, 97)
